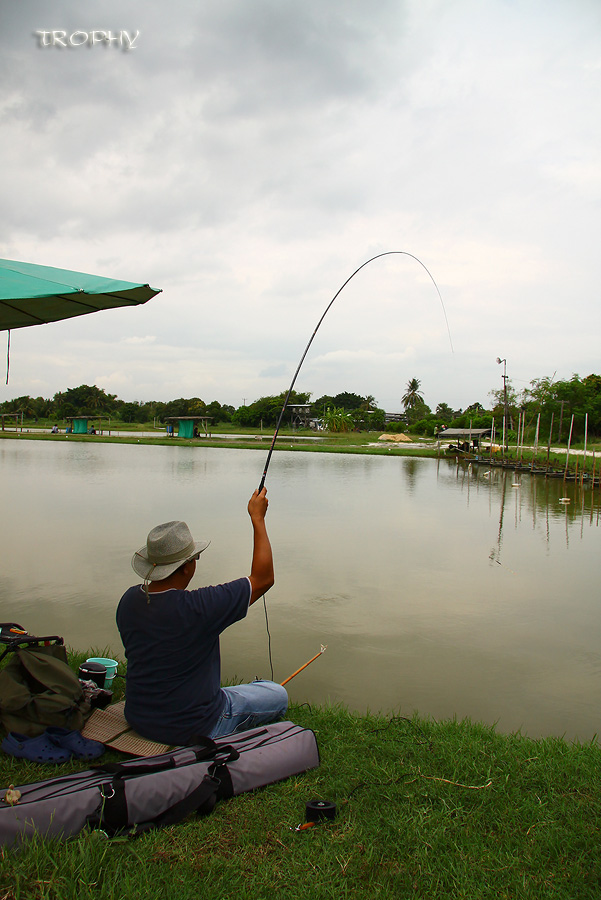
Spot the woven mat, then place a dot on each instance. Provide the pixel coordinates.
(110, 728)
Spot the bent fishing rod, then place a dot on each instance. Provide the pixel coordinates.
(327, 309)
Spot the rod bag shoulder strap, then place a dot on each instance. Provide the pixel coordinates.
(112, 815)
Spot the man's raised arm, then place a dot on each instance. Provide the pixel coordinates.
(261, 572)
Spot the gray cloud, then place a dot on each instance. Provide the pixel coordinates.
(248, 155)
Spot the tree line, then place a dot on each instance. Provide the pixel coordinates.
(90, 400)
(554, 401)
(94, 401)
(556, 406)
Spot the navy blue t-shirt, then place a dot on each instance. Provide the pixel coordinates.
(173, 662)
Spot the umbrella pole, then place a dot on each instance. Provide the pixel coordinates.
(313, 658)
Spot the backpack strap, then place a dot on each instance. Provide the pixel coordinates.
(221, 773)
(123, 770)
(206, 748)
(202, 801)
(112, 815)
(222, 754)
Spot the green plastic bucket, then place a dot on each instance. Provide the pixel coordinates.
(109, 664)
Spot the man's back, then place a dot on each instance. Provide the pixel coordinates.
(171, 641)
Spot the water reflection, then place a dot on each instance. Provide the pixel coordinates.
(411, 470)
(436, 586)
(522, 494)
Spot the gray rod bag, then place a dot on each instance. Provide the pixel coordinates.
(155, 791)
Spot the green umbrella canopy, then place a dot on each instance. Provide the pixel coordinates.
(33, 295)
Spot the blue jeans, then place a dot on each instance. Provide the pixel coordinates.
(249, 705)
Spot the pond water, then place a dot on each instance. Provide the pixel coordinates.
(434, 586)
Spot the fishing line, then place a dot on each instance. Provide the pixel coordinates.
(302, 359)
(268, 636)
(339, 291)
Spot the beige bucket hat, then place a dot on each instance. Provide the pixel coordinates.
(167, 547)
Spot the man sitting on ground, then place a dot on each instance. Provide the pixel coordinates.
(171, 639)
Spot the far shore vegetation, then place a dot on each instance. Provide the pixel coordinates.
(548, 403)
(548, 414)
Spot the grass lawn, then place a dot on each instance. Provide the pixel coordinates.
(250, 439)
(425, 810)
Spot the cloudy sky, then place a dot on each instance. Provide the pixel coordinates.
(246, 156)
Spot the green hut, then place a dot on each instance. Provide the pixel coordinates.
(79, 424)
(186, 427)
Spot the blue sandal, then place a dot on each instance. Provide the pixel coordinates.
(36, 749)
(74, 743)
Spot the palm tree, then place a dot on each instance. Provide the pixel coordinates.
(412, 396)
(368, 403)
(444, 412)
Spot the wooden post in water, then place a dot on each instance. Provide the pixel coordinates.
(523, 435)
(522, 438)
(549, 444)
(535, 442)
(560, 422)
(568, 449)
(584, 457)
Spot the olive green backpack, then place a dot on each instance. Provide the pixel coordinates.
(38, 689)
